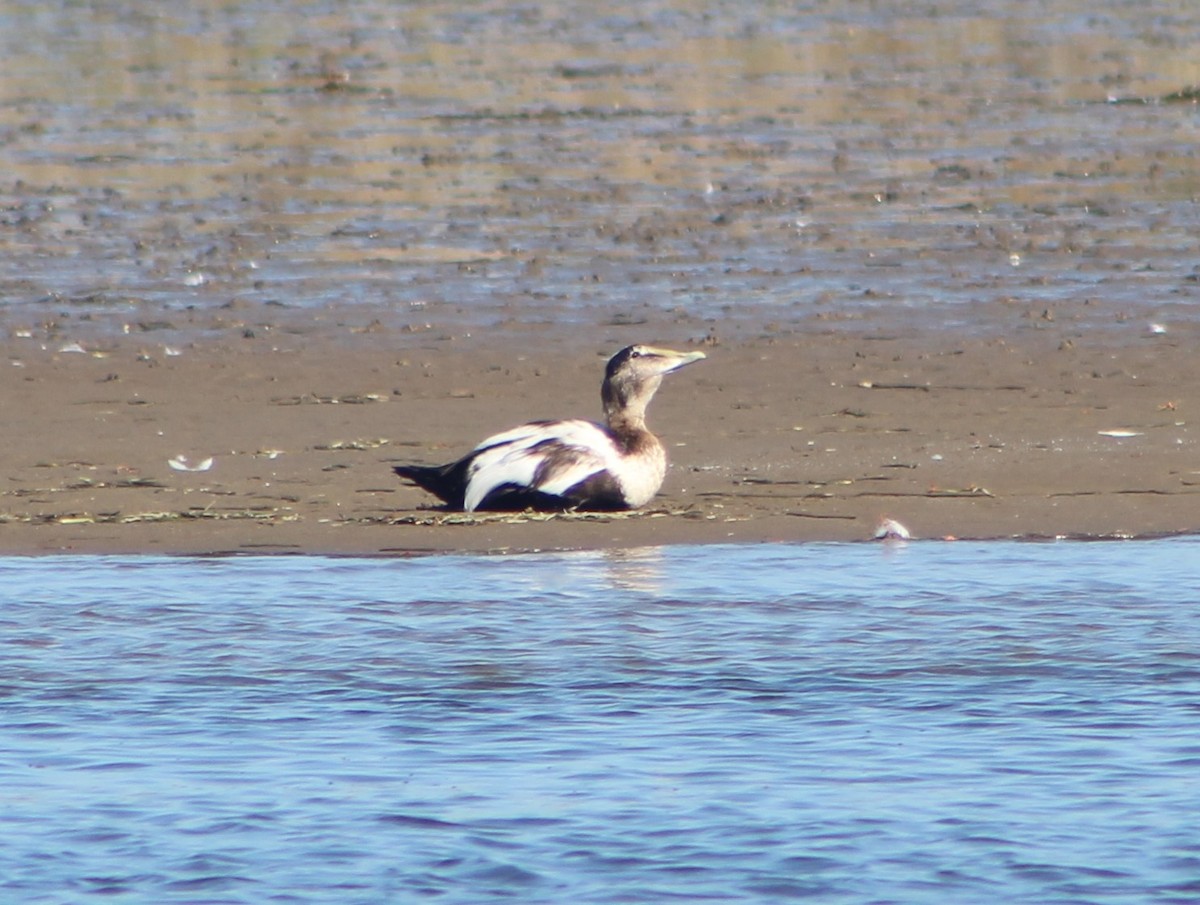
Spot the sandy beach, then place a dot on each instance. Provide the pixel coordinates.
(941, 261)
(808, 436)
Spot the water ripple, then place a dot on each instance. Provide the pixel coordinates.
(981, 721)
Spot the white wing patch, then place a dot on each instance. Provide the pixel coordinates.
(579, 449)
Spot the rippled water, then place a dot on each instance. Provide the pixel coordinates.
(929, 723)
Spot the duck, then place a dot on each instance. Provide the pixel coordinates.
(572, 464)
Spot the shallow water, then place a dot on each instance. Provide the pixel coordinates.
(924, 723)
(439, 168)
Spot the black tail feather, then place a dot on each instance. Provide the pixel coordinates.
(446, 482)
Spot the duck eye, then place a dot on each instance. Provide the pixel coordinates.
(636, 353)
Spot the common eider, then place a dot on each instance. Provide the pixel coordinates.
(571, 464)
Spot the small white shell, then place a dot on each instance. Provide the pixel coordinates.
(890, 529)
(181, 463)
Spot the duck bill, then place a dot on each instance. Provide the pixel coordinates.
(673, 361)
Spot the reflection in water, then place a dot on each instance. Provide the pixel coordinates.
(635, 569)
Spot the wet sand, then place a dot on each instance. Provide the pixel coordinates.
(924, 248)
(810, 435)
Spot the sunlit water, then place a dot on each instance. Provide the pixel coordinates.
(937, 722)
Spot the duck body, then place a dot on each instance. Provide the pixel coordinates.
(568, 464)
(547, 465)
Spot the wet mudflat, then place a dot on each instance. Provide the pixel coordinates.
(962, 235)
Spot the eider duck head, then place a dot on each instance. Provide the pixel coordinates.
(632, 378)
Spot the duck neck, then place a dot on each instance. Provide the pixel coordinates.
(626, 420)
(625, 406)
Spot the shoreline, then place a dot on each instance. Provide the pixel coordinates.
(809, 436)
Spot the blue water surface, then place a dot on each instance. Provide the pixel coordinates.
(935, 722)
